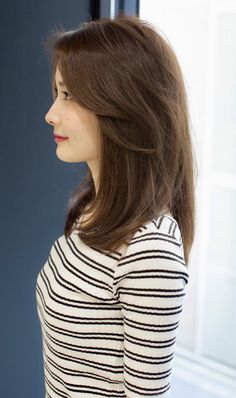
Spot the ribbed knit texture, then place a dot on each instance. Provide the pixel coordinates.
(109, 322)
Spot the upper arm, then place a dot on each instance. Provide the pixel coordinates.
(149, 282)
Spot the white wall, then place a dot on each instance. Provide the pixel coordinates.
(203, 35)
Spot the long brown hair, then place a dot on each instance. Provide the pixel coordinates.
(127, 73)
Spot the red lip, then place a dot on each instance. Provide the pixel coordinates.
(59, 136)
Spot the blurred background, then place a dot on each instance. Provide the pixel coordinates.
(36, 185)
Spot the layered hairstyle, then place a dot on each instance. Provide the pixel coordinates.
(126, 72)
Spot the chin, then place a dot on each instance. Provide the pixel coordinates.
(61, 155)
(66, 159)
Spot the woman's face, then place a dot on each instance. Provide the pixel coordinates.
(80, 125)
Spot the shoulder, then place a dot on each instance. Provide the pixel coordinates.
(165, 225)
(159, 231)
(153, 261)
(157, 244)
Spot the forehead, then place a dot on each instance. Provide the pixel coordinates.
(58, 74)
(58, 78)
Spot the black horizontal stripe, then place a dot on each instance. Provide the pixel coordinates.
(56, 390)
(79, 273)
(76, 387)
(143, 274)
(136, 307)
(90, 262)
(88, 349)
(131, 275)
(156, 236)
(69, 285)
(79, 289)
(74, 372)
(73, 319)
(109, 321)
(161, 345)
(147, 375)
(145, 392)
(157, 312)
(148, 358)
(148, 327)
(85, 335)
(88, 362)
(151, 293)
(138, 257)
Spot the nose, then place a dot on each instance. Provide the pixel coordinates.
(47, 120)
(51, 117)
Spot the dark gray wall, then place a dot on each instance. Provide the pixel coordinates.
(35, 184)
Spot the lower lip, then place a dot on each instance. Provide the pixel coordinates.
(57, 139)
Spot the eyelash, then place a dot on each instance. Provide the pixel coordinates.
(63, 92)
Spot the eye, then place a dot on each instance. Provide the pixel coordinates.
(66, 94)
(63, 92)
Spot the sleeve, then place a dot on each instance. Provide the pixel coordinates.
(149, 282)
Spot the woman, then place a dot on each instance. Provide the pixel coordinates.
(111, 293)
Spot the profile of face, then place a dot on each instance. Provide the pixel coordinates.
(78, 124)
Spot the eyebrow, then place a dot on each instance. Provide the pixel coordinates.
(61, 84)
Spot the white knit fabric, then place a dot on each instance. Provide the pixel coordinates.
(109, 322)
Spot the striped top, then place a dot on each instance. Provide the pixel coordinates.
(109, 322)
